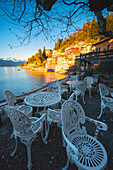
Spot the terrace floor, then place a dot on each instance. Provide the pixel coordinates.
(53, 155)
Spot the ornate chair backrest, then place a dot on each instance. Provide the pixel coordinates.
(21, 123)
(89, 80)
(103, 90)
(10, 97)
(72, 117)
(54, 87)
(81, 86)
(74, 77)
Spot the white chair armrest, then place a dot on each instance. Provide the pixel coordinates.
(41, 119)
(72, 96)
(37, 122)
(75, 150)
(54, 111)
(100, 125)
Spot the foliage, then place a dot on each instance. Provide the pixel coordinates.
(37, 59)
(89, 33)
(105, 68)
(37, 17)
(21, 65)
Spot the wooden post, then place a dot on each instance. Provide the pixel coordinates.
(85, 66)
(79, 66)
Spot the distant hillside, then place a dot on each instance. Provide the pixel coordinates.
(10, 62)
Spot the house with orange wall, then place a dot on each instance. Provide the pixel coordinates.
(102, 45)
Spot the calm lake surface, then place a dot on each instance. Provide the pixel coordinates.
(24, 81)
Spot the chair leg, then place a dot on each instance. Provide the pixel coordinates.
(29, 155)
(67, 95)
(90, 92)
(76, 97)
(102, 108)
(47, 127)
(63, 141)
(28, 143)
(13, 153)
(83, 99)
(11, 137)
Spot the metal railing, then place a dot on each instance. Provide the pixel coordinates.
(96, 56)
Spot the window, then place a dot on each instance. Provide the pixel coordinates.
(98, 49)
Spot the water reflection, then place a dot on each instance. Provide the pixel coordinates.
(24, 81)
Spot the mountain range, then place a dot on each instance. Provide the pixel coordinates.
(8, 61)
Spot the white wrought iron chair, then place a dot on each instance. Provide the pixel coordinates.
(82, 149)
(26, 128)
(80, 89)
(73, 78)
(90, 82)
(63, 87)
(54, 115)
(11, 100)
(106, 101)
(54, 87)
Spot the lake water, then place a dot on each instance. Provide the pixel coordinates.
(24, 81)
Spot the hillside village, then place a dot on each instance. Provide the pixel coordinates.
(63, 56)
(62, 61)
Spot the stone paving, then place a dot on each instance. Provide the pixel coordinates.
(53, 155)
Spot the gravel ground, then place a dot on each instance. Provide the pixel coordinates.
(53, 155)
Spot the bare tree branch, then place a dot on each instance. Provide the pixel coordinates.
(35, 17)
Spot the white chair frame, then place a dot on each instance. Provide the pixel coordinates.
(11, 100)
(80, 90)
(82, 149)
(26, 128)
(90, 82)
(105, 100)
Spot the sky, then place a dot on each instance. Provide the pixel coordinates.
(24, 52)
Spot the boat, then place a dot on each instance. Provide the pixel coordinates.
(18, 69)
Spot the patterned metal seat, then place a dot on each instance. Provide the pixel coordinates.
(80, 89)
(106, 101)
(26, 128)
(82, 149)
(54, 115)
(89, 81)
(73, 78)
(11, 100)
(54, 87)
(63, 87)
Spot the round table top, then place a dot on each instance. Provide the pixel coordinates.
(42, 99)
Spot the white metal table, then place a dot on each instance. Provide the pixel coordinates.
(42, 99)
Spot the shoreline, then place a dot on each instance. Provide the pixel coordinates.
(22, 95)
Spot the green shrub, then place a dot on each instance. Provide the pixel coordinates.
(105, 68)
